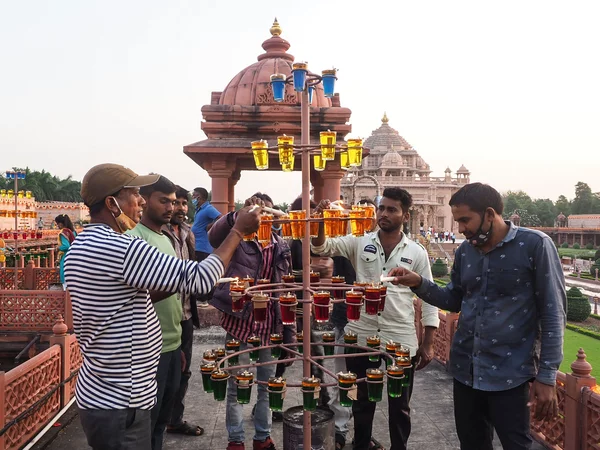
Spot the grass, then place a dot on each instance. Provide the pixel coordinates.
(581, 253)
(591, 346)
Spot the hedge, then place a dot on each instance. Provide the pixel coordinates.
(595, 316)
(584, 331)
(578, 306)
(439, 268)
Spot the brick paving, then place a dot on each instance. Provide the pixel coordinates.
(432, 414)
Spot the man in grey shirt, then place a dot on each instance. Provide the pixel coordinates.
(507, 282)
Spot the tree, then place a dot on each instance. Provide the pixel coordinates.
(528, 219)
(46, 187)
(584, 200)
(545, 210)
(516, 200)
(563, 205)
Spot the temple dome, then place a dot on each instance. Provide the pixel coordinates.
(391, 160)
(252, 85)
(386, 138)
(463, 169)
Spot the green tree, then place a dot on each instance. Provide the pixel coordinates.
(514, 200)
(46, 187)
(545, 210)
(584, 200)
(563, 205)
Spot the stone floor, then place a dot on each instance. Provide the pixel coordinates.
(433, 421)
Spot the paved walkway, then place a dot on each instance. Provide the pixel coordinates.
(432, 414)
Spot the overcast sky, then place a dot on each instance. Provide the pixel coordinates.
(510, 89)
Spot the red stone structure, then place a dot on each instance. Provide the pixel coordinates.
(245, 111)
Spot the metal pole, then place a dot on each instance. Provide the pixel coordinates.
(16, 231)
(306, 307)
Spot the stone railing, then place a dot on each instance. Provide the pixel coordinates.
(33, 311)
(577, 426)
(33, 393)
(30, 277)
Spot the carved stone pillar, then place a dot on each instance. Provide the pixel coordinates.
(331, 177)
(220, 172)
(235, 177)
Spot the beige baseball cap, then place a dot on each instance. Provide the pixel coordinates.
(108, 179)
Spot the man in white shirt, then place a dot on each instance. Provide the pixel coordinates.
(373, 255)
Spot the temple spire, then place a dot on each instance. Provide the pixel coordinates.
(275, 29)
(385, 118)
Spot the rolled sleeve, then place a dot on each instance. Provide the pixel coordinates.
(430, 314)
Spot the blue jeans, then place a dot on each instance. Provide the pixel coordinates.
(234, 418)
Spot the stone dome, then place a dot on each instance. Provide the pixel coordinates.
(386, 138)
(515, 217)
(391, 160)
(463, 169)
(252, 85)
(561, 217)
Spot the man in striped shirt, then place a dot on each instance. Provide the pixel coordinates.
(269, 262)
(109, 276)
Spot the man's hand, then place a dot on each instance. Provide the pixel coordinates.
(323, 204)
(546, 406)
(247, 221)
(424, 355)
(405, 277)
(183, 361)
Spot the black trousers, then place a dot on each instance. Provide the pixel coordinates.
(167, 379)
(187, 339)
(477, 413)
(363, 410)
(116, 429)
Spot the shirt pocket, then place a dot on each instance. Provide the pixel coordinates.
(369, 267)
(510, 281)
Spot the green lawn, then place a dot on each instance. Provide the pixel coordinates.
(591, 346)
(580, 253)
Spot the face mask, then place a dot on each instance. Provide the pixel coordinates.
(195, 202)
(480, 237)
(124, 222)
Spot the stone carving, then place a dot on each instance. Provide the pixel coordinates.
(290, 97)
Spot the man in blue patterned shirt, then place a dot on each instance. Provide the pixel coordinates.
(507, 282)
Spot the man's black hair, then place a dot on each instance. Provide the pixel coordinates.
(478, 197)
(163, 185)
(263, 197)
(181, 192)
(202, 193)
(400, 195)
(297, 205)
(368, 201)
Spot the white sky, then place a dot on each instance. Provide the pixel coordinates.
(511, 89)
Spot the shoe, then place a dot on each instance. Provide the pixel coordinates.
(236, 446)
(267, 444)
(277, 416)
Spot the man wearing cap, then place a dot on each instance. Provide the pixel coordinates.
(109, 275)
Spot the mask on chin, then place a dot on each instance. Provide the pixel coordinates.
(481, 237)
(124, 222)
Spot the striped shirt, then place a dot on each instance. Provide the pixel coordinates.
(242, 329)
(108, 275)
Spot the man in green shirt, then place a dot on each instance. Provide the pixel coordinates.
(158, 210)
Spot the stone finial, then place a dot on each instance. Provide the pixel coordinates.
(60, 328)
(385, 118)
(580, 367)
(275, 29)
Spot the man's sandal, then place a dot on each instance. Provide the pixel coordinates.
(375, 445)
(187, 429)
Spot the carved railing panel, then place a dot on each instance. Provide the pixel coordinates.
(592, 425)
(441, 342)
(31, 310)
(44, 277)
(25, 385)
(552, 432)
(75, 360)
(7, 278)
